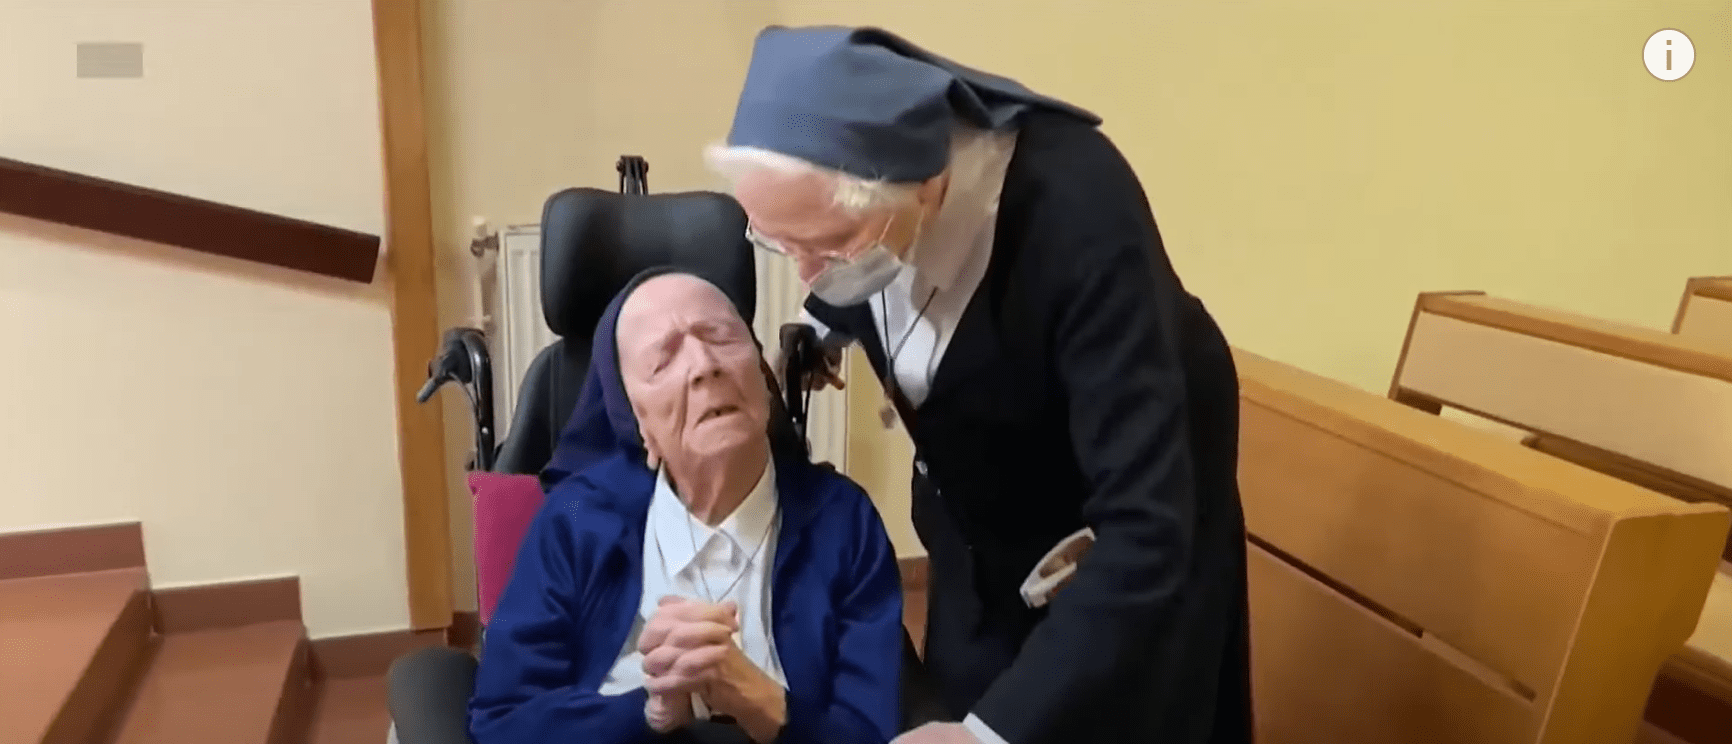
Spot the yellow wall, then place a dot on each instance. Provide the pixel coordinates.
(530, 96)
(244, 416)
(1312, 166)
(1315, 165)
(879, 459)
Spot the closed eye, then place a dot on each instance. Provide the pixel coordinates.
(665, 351)
(721, 333)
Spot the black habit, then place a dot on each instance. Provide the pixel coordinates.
(1083, 386)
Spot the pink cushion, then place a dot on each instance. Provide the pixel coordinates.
(505, 504)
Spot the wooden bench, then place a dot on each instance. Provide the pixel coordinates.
(1642, 405)
(1652, 407)
(1705, 311)
(1414, 580)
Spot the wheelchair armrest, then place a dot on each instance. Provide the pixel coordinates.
(427, 694)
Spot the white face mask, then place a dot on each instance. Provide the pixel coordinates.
(855, 280)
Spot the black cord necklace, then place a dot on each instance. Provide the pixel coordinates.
(887, 413)
(698, 565)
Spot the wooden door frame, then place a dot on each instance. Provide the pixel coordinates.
(410, 272)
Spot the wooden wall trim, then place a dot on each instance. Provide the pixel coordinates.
(91, 203)
(410, 264)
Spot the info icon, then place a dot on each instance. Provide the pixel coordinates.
(1668, 55)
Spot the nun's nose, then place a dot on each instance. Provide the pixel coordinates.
(705, 365)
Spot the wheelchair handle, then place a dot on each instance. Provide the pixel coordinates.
(800, 356)
(463, 359)
(633, 174)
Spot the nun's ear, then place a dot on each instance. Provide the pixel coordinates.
(652, 453)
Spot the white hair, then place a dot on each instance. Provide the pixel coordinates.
(850, 193)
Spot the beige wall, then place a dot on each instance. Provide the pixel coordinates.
(243, 415)
(1313, 167)
(881, 460)
(530, 96)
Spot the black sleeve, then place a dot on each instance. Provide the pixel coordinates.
(1114, 333)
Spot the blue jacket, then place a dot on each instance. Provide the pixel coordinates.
(570, 604)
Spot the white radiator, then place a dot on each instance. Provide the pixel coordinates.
(517, 331)
(511, 304)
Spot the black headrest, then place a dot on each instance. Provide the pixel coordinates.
(594, 241)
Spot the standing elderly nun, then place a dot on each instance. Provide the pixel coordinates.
(996, 258)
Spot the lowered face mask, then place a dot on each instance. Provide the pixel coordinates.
(855, 280)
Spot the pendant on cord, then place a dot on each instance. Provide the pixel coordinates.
(887, 412)
(887, 415)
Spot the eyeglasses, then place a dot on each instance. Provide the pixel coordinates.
(833, 255)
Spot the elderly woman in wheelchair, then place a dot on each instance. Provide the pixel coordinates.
(688, 577)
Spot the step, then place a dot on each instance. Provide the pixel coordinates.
(72, 645)
(242, 685)
(351, 711)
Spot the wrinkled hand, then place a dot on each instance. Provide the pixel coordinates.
(738, 688)
(937, 733)
(688, 647)
(830, 375)
(826, 375)
(665, 713)
(683, 643)
(679, 624)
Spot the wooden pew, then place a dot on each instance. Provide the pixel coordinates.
(1417, 581)
(1645, 406)
(1650, 406)
(1705, 311)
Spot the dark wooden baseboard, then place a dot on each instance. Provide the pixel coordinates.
(914, 573)
(465, 630)
(136, 212)
(368, 654)
(1688, 712)
(226, 605)
(101, 547)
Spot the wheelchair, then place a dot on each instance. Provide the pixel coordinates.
(593, 242)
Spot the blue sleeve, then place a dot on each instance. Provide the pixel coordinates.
(863, 702)
(526, 689)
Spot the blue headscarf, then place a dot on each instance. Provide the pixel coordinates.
(866, 102)
(603, 424)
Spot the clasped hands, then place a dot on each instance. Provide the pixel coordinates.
(688, 648)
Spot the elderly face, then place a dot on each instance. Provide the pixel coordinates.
(691, 369)
(795, 214)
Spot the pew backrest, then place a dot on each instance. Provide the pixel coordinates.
(1655, 405)
(1416, 580)
(1705, 311)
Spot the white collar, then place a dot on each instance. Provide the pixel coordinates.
(978, 163)
(679, 534)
